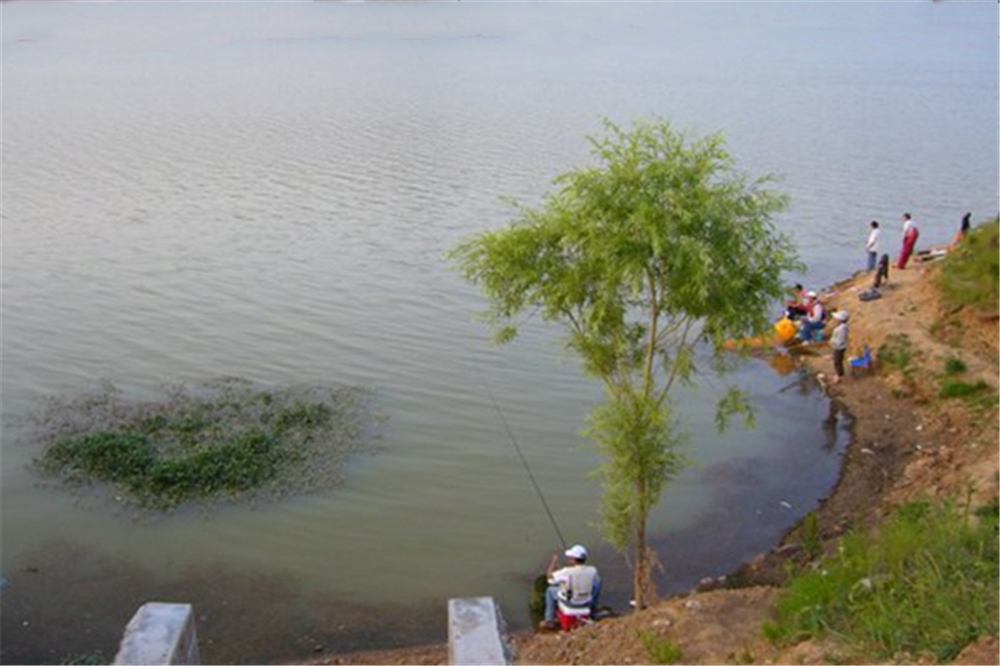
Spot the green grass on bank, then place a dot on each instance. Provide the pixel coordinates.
(897, 352)
(661, 650)
(925, 584)
(970, 275)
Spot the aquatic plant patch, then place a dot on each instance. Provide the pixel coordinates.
(226, 439)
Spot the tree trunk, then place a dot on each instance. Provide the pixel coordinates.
(641, 573)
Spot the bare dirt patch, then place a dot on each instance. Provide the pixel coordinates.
(691, 623)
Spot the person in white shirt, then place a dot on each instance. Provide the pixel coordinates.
(838, 343)
(815, 319)
(910, 235)
(872, 246)
(577, 584)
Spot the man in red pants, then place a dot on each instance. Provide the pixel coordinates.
(910, 235)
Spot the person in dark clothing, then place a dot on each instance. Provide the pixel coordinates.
(796, 307)
(838, 343)
(882, 275)
(963, 231)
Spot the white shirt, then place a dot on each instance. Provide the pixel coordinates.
(576, 583)
(907, 225)
(815, 312)
(838, 339)
(872, 243)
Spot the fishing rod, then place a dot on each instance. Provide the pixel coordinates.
(524, 461)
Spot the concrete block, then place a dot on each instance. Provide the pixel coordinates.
(477, 633)
(161, 634)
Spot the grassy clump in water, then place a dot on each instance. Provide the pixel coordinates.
(226, 439)
(926, 583)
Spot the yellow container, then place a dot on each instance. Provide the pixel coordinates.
(785, 329)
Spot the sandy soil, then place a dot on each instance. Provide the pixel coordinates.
(907, 444)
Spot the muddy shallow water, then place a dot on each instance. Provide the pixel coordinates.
(68, 600)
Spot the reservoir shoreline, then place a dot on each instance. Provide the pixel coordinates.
(903, 446)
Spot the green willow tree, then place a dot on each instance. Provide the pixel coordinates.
(658, 248)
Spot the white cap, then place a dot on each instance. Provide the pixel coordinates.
(840, 315)
(577, 552)
(811, 294)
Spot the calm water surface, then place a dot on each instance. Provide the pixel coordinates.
(265, 190)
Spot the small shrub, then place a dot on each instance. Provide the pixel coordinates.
(812, 542)
(897, 351)
(536, 601)
(963, 389)
(660, 650)
(774, 632)
(990, 515)
(954, 366)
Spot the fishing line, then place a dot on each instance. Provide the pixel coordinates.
(524, 461)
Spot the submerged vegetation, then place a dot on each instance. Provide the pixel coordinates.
(226, 439)
(925, 584)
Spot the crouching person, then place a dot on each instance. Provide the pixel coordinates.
(577, 586)
(815, 319)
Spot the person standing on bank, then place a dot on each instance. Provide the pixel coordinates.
(872, 246)
(963, 230)
(910, 235)
(838, 343)
(577, 584)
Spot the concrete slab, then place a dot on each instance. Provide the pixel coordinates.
(477, 633)
(160, 633)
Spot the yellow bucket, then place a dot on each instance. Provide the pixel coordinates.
(785, 329)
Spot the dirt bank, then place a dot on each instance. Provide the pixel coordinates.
(908, 443)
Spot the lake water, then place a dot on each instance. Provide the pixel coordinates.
(267, 190)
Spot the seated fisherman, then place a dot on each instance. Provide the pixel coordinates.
(796, 307)
(815, 320)
(577, 584)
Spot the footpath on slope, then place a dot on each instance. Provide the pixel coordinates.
(907, 444)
